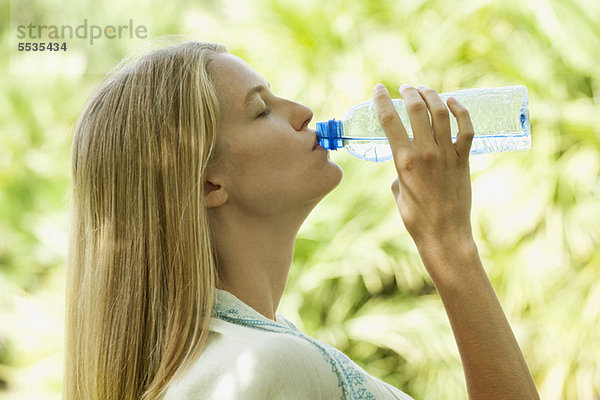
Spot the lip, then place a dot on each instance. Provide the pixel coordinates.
(316, 144)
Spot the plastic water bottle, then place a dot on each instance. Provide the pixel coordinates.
(499, 115)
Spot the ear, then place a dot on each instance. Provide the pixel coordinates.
(215, 195)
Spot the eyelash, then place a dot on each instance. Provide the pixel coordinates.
(264, 113)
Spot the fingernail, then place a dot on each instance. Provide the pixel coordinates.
(379, 86)
(404, 85)
(420, 87)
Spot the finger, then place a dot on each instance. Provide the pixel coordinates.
(440, 117)
(465, 128)
(389, 119)
(418, 115)
(396, 187)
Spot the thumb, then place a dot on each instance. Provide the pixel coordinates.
(396, 187)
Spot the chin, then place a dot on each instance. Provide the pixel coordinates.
(340, 174)
(331, 177)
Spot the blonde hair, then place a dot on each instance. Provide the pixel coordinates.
(142, 268)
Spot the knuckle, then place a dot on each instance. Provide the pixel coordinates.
(429, 155)
(441, 112)
(467, 132)
(405, 161)
(416, 106)
(380, 95)
(386, 117)
(463, 112)
(395, 186)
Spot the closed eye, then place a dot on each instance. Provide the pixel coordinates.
(264, 113)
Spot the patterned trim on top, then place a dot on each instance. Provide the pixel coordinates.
(352, 381)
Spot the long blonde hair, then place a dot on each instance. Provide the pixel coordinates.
(142, 267)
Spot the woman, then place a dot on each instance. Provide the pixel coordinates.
(190, 182)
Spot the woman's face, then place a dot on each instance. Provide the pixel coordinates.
(268, 161)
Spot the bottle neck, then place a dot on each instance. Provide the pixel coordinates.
(329, 134)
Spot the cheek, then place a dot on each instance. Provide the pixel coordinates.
(264, 153)
(265, 169)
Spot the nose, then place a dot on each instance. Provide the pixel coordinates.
(301, 117)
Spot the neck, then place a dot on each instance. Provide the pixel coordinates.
(254, 257)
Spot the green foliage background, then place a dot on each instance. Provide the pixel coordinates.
(357, 281)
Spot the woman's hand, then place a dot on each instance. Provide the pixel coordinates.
(433, 194)
(433, 187)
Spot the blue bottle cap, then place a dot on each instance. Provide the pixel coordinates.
(329, 134)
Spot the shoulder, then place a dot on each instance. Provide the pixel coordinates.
(292, 368)
(243, 363)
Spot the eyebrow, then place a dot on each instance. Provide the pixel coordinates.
(253, 91)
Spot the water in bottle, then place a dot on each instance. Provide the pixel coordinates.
(500, 118)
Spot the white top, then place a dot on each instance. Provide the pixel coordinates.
(249, 356)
